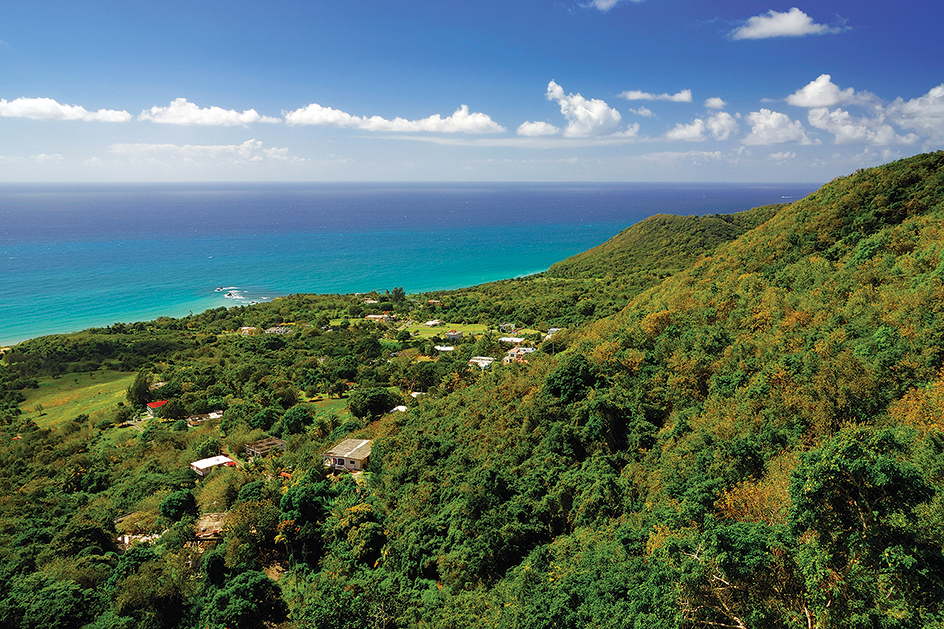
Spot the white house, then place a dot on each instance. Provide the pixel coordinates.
(517, 354)
(205, 466)
(350, 454)
(483, 362)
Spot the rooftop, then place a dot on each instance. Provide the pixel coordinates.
(351, 449)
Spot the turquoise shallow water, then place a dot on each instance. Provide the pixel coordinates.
(83, 256)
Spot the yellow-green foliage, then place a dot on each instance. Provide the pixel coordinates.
(60, 400)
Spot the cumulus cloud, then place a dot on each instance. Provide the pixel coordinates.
(49, 109)
(462, 121)
(715, 103)
(849, 130)
(684, 96)
(924, 114)
(721, 126)
(182, 112)
(793, 23)
(248, 152)
(534, 129)
(694, 132)
(822, 92)
(585, 118)
(783, 155)
(643, 111)
(772, 127)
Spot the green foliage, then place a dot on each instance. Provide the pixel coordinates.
(372, 402)
(245, 602)
(178, 504)
(740, 427)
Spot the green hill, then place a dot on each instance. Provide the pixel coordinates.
(660, 245)
(601, 281)
(753, 438)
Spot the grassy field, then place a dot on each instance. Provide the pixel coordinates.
(422, 331)
(59, 400)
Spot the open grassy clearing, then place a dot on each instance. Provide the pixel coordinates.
(426, 332)
(59, 400)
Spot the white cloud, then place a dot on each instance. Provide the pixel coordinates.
(784, 155)
(250, 151)
(462, 121)
(534, 129)
(182, 112)
(642, 111)
(694, 132)
(793, 23)
(722, 125)
(715, 103)
(924, 114)
(772, 127)
(847, 130)
(606, 5)
(684, 96)
(585, 118)
(49, 109)
(43, 157)
(822, 92)
(670, 158)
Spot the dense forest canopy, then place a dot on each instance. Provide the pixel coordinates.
(741, 426)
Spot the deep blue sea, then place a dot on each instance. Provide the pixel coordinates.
(78, 256)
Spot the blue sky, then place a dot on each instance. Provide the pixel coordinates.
(512, 90)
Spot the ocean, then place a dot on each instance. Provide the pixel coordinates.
(77, 256)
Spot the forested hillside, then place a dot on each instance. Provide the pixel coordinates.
(755, 439)
(599, 282)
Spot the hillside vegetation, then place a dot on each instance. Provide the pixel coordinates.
(752, 437)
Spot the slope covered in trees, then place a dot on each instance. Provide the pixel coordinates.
(755, 441)
(601, 281)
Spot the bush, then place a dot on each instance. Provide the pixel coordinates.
(178, 504)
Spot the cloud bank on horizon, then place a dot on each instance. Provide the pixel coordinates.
(746, 97)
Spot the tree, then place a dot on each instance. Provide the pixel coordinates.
(178, 504)
(139, 392)
(247, 601)
(372, 402)
(853, 508)
(572, 378)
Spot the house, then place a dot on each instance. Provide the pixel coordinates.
(432, 323)
(279, 329)
(154, 407)
(454, 335)
(483, 362)
(350, 454)
(444, 348)
(517, 355)
(248, 331)
(514, 340)
(385, 318)
(370, 301)
(264, 446)
(205, 466)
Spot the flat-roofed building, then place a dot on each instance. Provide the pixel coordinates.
(350, 454)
